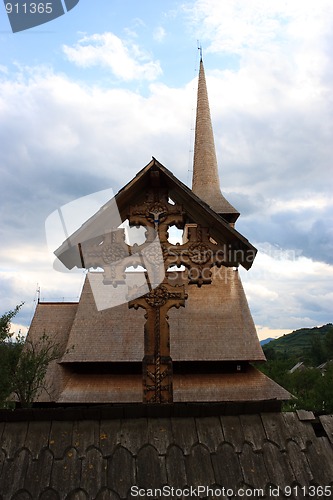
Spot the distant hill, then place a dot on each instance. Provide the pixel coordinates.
(297, 343)
(265, 341)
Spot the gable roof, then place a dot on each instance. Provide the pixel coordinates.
(196, 209)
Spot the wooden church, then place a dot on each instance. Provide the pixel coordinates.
(156, 394)
(183, 331)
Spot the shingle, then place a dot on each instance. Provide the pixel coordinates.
(61, 437)
(13, 437)
(299, 464)
(253, 467)
(149, 470)
(277, 465)
(2, 460)
(107, 494)
(14, 472)
(66, 473)
(298, 431)
(39, 473)
(109, 436)
(93, 476)
(275, 429)
(209, 432)
(253, 430)
(40, 429)
(22, 495)
(175, 466)
(184, 433)
(160, 434)
(134, 434)
(49, 494)
(2, 426)
(226, 466)
(320, 458)
(78, 494)
(199, 467)
(85, 434)
(233, 431)
(327, 423)
(121, 473)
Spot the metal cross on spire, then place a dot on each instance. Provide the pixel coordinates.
(200, 50)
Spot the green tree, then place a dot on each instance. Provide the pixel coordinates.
(324, 390)
(28, 378)
(303, 384)
(5, 323)
(329, 344)
(317, 353)
(10, 350)
(23, 363)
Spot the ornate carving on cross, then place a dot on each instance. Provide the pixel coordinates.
(157, 363)
(157, 255)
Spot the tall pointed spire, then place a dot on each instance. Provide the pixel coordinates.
(206, 183)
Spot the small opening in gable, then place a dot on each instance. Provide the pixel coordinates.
(133, 234)
(175, 235)
(176, 268)
(135, 269)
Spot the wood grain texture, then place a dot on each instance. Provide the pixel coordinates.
(121, 473)
(101, 460)
(327, 423)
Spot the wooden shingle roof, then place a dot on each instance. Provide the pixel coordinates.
(204, 330)
(98, 458)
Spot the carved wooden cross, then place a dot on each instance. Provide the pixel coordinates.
(157, 363)
(198, 254)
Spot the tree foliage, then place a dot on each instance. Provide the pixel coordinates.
(329, 343)
(23, 363)
(311, 386)
(5, 323)
(10, 351)
(28, 378)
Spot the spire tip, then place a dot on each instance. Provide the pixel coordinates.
(200, 49)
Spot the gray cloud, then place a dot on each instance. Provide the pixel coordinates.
(273, 120)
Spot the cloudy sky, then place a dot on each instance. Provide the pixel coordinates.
(87, 99)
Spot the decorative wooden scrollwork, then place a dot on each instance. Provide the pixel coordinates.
(157, 363)
(198, 254)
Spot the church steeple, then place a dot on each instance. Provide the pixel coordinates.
(206, 183)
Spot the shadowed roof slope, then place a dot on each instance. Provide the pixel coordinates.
(55, 319)
(205, 330)
(216, 323)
